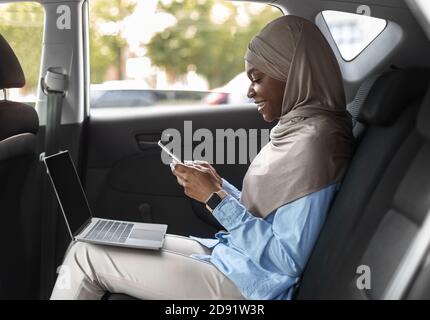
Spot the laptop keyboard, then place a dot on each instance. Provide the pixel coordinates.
(112, 231)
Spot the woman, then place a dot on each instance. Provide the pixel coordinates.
(272, 225)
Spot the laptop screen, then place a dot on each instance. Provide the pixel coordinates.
(69, 189)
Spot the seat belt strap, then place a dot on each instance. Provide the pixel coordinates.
(54, 87)
(411, 264)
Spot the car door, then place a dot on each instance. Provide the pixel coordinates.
(127, 179)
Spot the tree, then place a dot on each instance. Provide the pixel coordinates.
(215, 49)
(108, 49)
(196, 41)
(17, 22)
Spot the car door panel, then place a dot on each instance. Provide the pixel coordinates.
(125, 177)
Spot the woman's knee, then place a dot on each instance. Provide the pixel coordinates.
(81, 253)
(77, 248)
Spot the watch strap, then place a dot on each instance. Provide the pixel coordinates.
(215, 199)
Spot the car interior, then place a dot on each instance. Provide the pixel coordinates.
(377, 219)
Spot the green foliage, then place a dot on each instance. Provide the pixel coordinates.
(107, 50)
(215, 50)
(21, 24)
(195, 42)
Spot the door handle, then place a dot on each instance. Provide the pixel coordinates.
(147, 141)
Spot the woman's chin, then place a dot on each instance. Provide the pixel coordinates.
(267, 117)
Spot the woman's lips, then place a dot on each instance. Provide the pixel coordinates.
(261, 106)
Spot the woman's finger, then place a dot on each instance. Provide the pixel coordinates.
(208, 166)
(182, 168)
(181, 182)
(202, 162)
(201, 168)
(179, 175)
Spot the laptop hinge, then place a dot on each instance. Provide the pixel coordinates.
(82, 227)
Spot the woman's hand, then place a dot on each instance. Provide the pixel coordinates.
(199, 180)
(205, 165)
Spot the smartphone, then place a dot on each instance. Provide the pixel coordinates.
(162, 146)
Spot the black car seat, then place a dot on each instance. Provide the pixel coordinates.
(384, 196)
(379, 207)
(19, 124)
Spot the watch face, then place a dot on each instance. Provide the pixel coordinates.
(213, 201)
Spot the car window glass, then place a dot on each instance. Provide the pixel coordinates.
(170, 52)
(21, 24)
(352, 33)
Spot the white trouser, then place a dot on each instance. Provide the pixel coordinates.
(89, 270)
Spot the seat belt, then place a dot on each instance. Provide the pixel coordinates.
(411, 263)
(54, 86)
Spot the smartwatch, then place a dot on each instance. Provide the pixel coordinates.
(214, 200)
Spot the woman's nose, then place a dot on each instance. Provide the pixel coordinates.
(251, 92)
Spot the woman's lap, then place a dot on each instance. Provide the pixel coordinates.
(165, 274)
(183, 245)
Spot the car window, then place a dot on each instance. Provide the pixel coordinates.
(21, 24)
(421, 9)
(154, 53)
(352, 33)
(122, 98)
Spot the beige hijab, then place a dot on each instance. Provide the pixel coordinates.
(312, 143)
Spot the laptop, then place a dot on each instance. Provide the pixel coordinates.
(81, 224)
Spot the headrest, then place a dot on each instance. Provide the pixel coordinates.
(391, 93)
(17, 145)
(11, 74)
(423, 119)
(17, 118)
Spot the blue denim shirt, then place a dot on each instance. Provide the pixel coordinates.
(264, 258)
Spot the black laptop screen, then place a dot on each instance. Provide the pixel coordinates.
(69, 189)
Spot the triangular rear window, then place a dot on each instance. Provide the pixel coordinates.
(352, 32)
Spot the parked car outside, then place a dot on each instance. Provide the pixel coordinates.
(234, 92)
(129, 94)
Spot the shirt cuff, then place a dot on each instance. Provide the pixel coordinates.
(230, 213)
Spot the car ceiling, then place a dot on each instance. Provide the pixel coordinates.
(394, 11)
